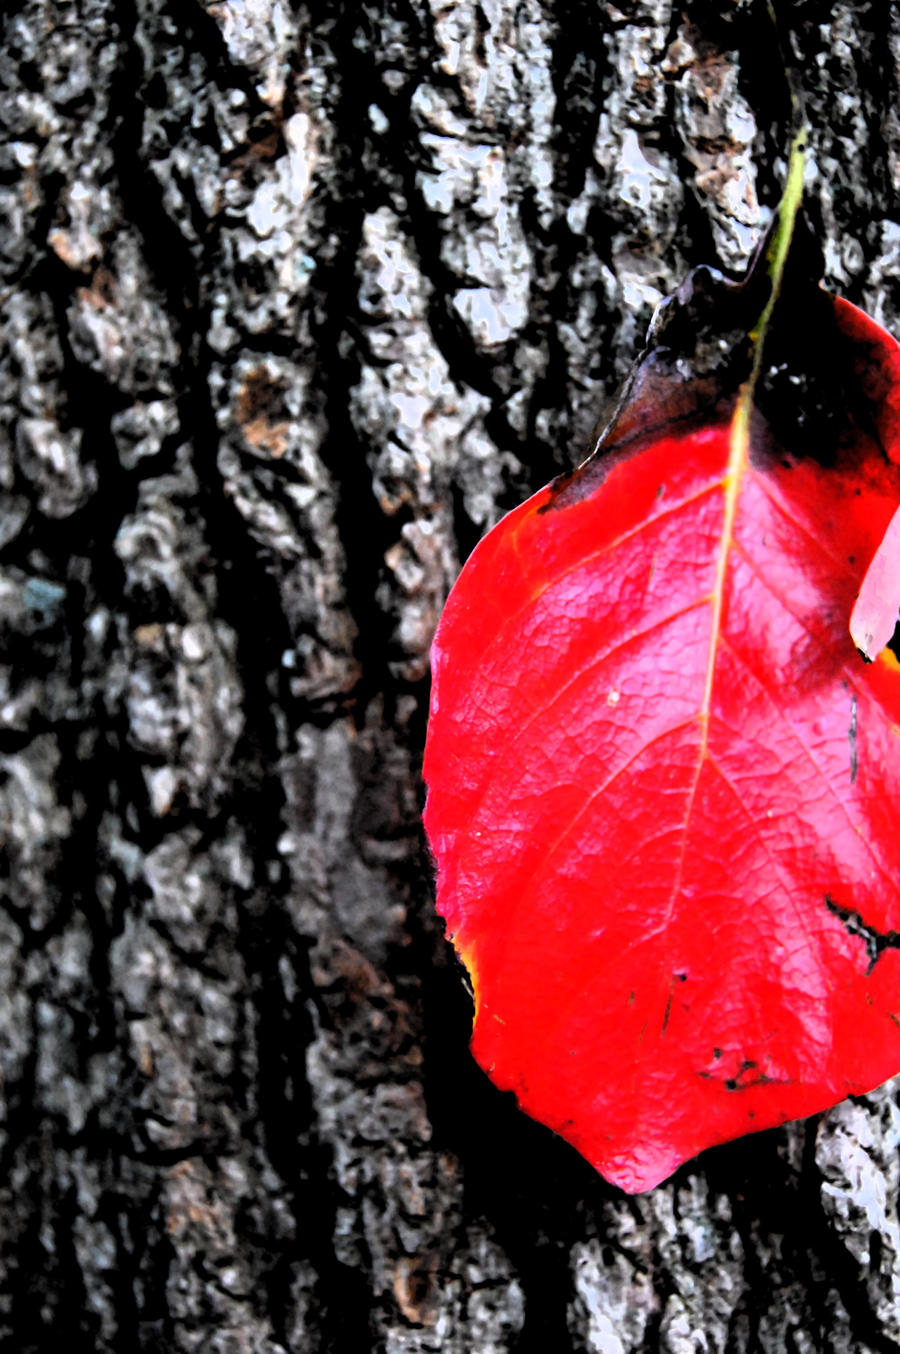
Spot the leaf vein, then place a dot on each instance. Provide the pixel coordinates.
(823, 776)
(498, 763)
(620, 540)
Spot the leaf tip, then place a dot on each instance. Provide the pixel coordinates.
(873, 619)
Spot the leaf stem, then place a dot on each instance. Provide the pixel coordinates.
(780, 243)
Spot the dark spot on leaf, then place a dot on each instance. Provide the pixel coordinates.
(876, 942)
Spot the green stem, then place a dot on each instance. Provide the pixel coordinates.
(780, 243)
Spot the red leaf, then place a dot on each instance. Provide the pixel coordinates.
(877, 606)
(661, 781)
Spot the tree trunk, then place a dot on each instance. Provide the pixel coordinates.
(297, 300)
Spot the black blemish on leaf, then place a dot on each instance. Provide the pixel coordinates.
(851, 734)
(876, 942)
(741, 1081)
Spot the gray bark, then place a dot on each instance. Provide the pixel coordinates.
(297, 300)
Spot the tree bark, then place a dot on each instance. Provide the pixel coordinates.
(297, 300)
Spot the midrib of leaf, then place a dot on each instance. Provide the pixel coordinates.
(736, 469)
(739, 430)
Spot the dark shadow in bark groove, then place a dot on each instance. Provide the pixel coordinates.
(366, 532)
(781, 1209)
(763, 1191)
(531, 1186)
(581, 78)
(250, 603)
(844, 1271)
(287, 1121)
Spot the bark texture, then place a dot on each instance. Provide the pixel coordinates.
(297, 299)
